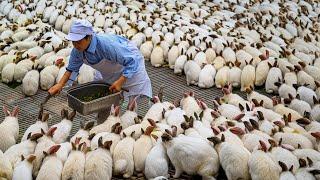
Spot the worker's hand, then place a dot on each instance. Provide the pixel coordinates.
(55, 89)
(117, 85)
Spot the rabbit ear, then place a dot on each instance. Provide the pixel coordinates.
(51, 131)
(225, 91)
(117, 111)
(72, 115)
(88, 126)
(283, 166)
(100, 144)
(112, 109)
(263, 146)
(54, 149)
(6, 111)
(40, 113)
(15, 111)
(132, 134)
(316, 135)
(302, 163)
(45, 117)
(124, 135)
(107, 144)
(133, 104)
(154, 137)
(64, 113)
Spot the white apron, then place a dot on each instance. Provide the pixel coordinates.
(138, 84)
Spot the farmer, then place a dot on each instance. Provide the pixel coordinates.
(118, 61)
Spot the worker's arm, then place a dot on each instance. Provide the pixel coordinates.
(125, 54)
(58, 87)
(74, 65)
(117, 85)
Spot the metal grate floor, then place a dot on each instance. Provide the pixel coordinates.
(174, 85)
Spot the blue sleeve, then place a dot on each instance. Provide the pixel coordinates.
(75, 61)
(123, 54)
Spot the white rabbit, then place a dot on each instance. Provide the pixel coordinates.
(48, 76)
(233, 158)
(99, 162)
(182, 149)
(304, 171)
(155, 112)
(315, 113)
(192, 71)
(189, 104)
(5, 167)
(283, 110)
(134, 128)
(30, 83)
(291, 78)
(63, 127)
(173, 55)
(62, 70)
(8, 73)
(247, 77)
(222, 77)
(44, 143)
(146, 49)
(52, 166)
(83, 133)
(218, 62)
(306, 94)
(157, 161)
(318, 89)
(86, 74)
(255, 96)
(141, 148)
(74, 166)
(206, 76)
(23, 171)
(43, 58)
(286, 173)
(235, 76)
(311, 70)
(114, 136)
(22, 68)
(200, 59)
(41, 124)
(285, 90)
(210, 53)
(157, 56)
(175, 117)
(64, 151)
(229, 55)
(286, 157)
(262, 70)
(261, 165)
(179, 64)
(274, 76)
(304, 79)
(127, 119)
(9, 128)
(294, 139)
(123, 157)
(302, 107)
(24, 148)
(106, 126)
